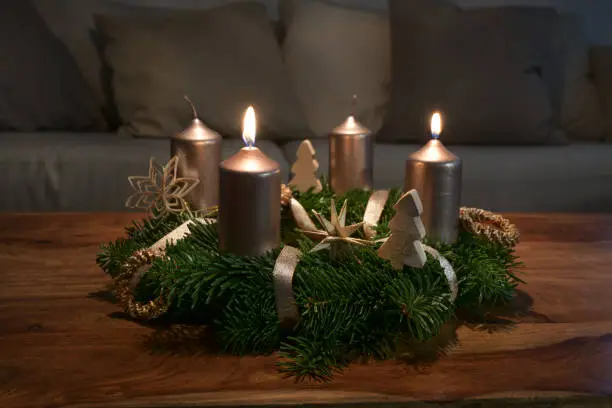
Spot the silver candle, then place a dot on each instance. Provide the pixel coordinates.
(435, 173)
(249, 200)
(351, 157)
(199, 151)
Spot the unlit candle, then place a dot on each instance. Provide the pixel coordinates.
(199, 151)
(351, 157)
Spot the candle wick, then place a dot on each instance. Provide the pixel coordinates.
(354, 105)
(193, 109)
(435, 136)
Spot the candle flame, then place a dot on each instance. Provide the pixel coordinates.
(249, 127)
(436, 125)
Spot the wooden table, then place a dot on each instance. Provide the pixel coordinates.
(63, 343)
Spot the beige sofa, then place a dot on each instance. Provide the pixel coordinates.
(76, 171)
(88, 172)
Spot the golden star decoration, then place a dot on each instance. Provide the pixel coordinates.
(161, 189)
(335, 230)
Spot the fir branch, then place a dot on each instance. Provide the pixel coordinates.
(152, 229)
(140, 234)
(314, 359)
(113, 254)
(358, 307)
(249, 324)
(486, 271)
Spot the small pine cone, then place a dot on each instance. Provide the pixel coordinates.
(286, 195)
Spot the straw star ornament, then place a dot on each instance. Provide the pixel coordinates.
(335, 234)
(161, 190)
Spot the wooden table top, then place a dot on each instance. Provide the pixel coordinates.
(63, 343)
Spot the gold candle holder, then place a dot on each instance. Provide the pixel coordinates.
(199, 151)
(435, 173)
(249, 200)
(351, 157)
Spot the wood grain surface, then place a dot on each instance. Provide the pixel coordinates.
(63, 343)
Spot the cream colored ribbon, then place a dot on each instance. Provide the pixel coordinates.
(301, 217)
(373, 211)
(160, 246)
(449, 272)
(178, 233)
(284, 268)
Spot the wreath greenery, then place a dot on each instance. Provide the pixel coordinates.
(349, 309)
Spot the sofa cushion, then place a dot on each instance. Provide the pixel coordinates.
(41, 85)
(225, 59)
(72, 22)
(484, 69)
(580, 111)
(601, 63)
(346, 52)
(287, 7)
(575, 101)
(83, 171)
(571, 178)
(271, 5)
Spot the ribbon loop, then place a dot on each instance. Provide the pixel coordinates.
(177, 234)
(449, 272)
(373, 211)
(284, 268)
(300, 216)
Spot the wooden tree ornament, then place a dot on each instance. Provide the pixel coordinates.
(305, 169)
(404, 247)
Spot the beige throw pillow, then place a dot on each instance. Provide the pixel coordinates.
(581, 115)
(225, 59)
(601, 64)
(41, 87)
(478, 67)
(73, 22)
(333, 52)
(286, 8)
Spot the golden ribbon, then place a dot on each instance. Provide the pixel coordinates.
(124, 283)
(132, 270)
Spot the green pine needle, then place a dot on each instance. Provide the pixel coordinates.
(355, 308)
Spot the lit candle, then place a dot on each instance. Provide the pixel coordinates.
(199, 151)
(435, 173)
(249, 199)
(351, 156)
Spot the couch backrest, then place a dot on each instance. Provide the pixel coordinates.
(72, 22)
